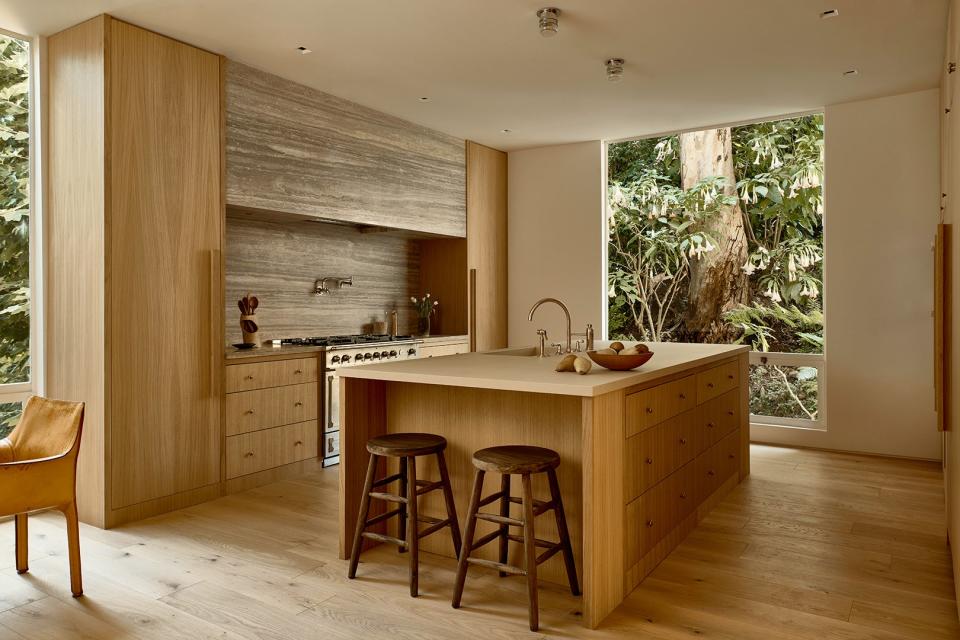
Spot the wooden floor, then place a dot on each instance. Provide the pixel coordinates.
(814, 545)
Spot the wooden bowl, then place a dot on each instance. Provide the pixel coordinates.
(618, 362)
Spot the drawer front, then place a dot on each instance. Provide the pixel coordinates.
(717, 464)
(260, 450)
(716, 418)
(683, 489)
(656, 404)
(253, 410)
(654, 454)
(428, 351)
(649, 518)
(730, 455)
(713, 382)
(261, 375)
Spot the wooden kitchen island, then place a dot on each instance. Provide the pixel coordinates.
(645, 453)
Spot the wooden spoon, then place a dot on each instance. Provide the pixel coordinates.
(254, 303)
(249, 326)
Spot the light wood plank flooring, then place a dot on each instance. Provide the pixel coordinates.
(814, 545)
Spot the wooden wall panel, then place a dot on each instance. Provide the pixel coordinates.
(278, 262)
(294, 149)
(166, 229)
(443, 274)
(74, 231)
(487, 243)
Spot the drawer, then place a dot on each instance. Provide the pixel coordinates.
(429, 351)
(269, 448)
(716, 418)
(683, 489)
(276, 373)
(730, 455)
(656, 404)
(713, 382)
(655, 453)
(252, 410)
(717, 464)
(649, 518)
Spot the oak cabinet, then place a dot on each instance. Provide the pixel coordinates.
(135, 224)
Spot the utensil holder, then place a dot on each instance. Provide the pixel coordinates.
(249, 337)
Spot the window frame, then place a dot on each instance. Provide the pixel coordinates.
(19, 391)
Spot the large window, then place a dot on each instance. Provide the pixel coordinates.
(717, 236)
(15, 227)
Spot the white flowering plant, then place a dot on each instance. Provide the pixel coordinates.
(424, 305)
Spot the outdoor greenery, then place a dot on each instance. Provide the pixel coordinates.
(659, 229)
(14, 221)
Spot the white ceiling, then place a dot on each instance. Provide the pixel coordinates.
(485, 68)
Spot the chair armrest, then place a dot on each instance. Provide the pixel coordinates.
(29, 485)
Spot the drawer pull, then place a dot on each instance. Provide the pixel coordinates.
(298, 443)
(649, 523)
(709, 385)
(248, 377)
(683, 495)
(683, 396)
(649, 460)
(298, 404)
(248, 454)
(649, 409)
(297, 372)
(683, 441)
(729, 376)
(710, 425)
(731, 456)
(730, 412)
(248, 412)
(711, 472)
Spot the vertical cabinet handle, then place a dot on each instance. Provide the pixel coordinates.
(473, 310)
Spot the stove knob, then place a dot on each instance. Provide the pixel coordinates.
(376, 355)
(393, 354)
(336, 359)
(345, 359)
(411, 352)
(384, 354)
(368, 356)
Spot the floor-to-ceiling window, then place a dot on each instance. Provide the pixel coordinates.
(717, 236)
(16, 371)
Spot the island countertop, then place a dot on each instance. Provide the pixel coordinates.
(501, 370)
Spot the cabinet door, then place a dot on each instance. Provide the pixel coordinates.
(164, 221)
(487, 245)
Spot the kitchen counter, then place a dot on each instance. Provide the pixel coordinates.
(645, 454)
(232, 353)
(499, 370)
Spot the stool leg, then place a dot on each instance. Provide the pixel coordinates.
(564, 533)
(402, 528)
(505, 512)
(451, 505)
(362, 517)
(413, 531)
(530, 551)
(468, 538)
(21, 542)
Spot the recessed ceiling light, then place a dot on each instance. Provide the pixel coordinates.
(423, 99)
(830, 13)
(614, 69)
(506, 130)
(851, 72)
(304, 51)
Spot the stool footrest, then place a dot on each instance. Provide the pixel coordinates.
(492, 517)
(389, 497)
(549, 553)
(426, 487)
(388, 480)
(539, 506)
(499, 566)
(487, 539)
(438, 524)
(493, 497)
(546, 544)
(381, 518)
(381, 537)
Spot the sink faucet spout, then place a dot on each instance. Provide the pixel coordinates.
(566, 313)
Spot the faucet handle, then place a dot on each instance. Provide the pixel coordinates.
(578, 346)
(558, 346)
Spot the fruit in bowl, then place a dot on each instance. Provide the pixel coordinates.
(622, 359)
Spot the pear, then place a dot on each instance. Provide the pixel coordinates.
(642, 348)
(630, 351)
(566, 364)
(607, 352)
(616, 346)
(582, 365)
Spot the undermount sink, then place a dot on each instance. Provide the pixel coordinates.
(522, 351)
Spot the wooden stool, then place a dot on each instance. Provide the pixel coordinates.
(406, 446)
(522, 461)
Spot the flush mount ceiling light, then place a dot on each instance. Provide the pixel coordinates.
(505, 130)
(614, 69)
(851, 72)
(549, 21)
(304, 51)
(829, 13)
(423, 99)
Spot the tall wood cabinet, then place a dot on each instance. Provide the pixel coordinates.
(134, 234)
(487, 246)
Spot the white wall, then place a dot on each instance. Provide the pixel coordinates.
(556, 238)
(881, 199)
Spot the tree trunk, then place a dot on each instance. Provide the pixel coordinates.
(717, 280)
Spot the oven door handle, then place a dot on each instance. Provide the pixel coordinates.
(332, 406)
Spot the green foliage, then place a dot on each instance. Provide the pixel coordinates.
(774, 327)
(14, 216)
(787, 392)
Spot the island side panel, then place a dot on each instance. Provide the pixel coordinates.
(362, 416)
(603, 500)
(471, 419)
(744, 416)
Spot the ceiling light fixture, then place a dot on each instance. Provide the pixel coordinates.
(505, 130)
(549, 21)
(829, 13)
(851, 72)
(424, 99)
(304, 51)
(614, 69)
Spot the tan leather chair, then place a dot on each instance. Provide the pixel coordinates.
(38, 470)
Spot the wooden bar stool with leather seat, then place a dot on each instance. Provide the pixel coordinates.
(523, 461)
(407, 447)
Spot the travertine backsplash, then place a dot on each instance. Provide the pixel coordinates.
(279, 261)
